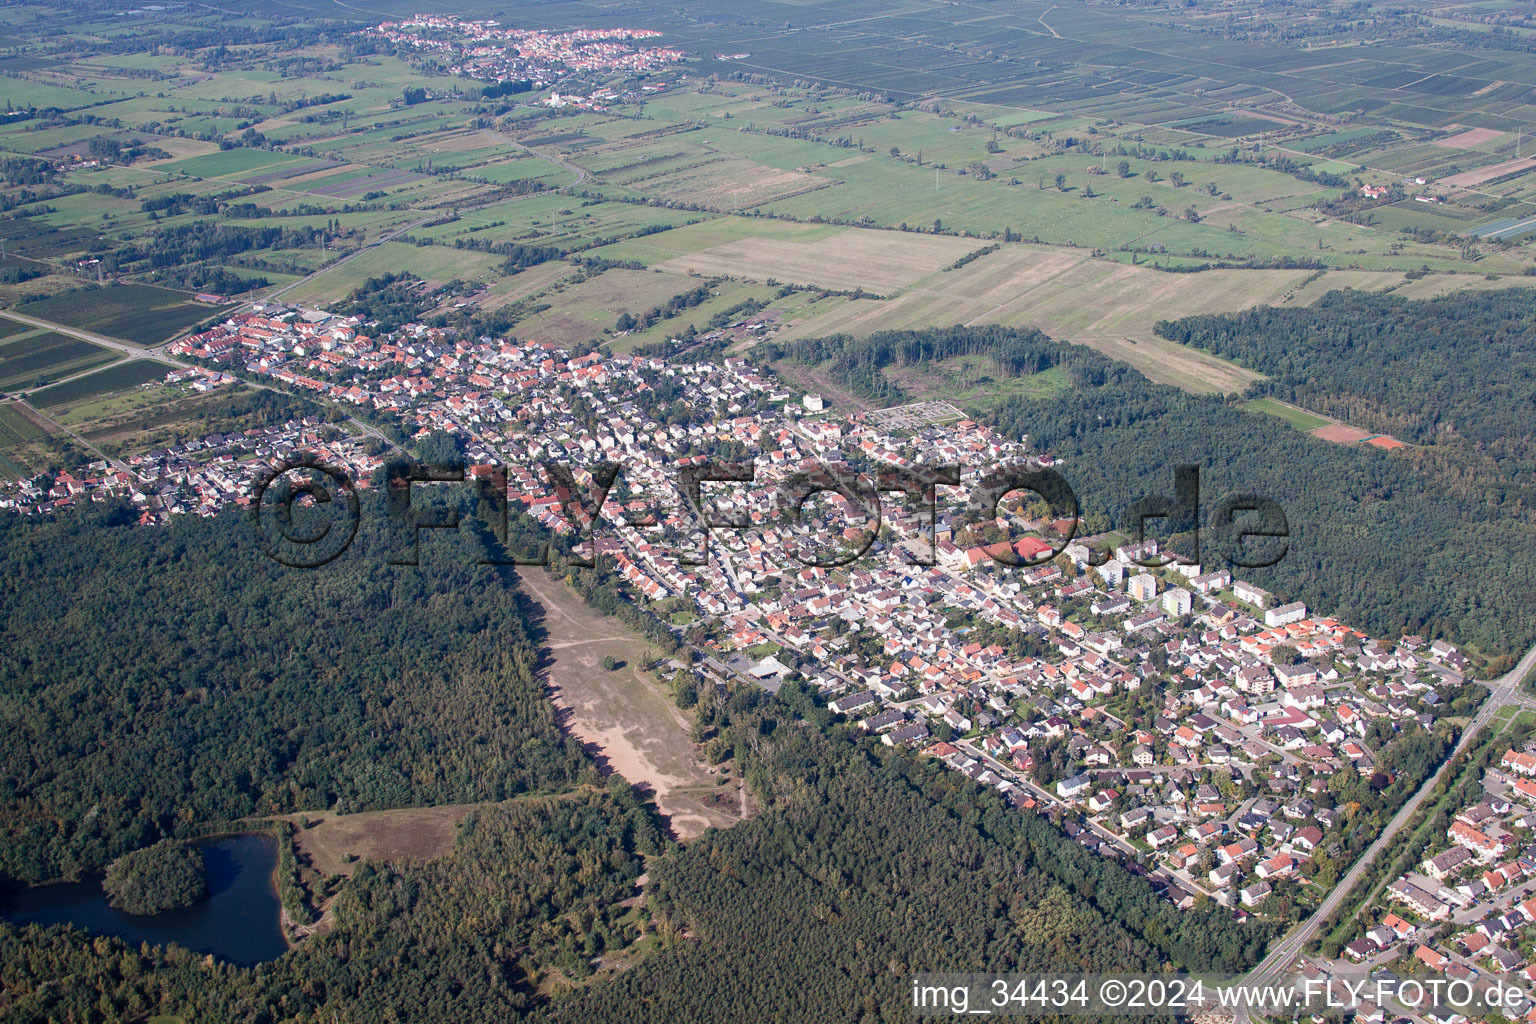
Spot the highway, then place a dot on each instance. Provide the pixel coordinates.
(1506, 691)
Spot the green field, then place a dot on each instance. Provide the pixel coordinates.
(39, 356)
(230, 161)
(1298, 418)
(14, 427)
(142, 314)
(113, 378)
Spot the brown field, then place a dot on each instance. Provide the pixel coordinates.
(1469, 139)
(624, 717)
(1340, 433)
(324, 172)
(464, 141)
(731, 184)
(880, 261)
(1470, 179)
(339, 841)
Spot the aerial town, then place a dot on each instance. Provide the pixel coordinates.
(485, 51)
(1175, 717)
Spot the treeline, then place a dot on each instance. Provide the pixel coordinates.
(158, 680)
(1377, 539)
(171, 247)
(1457, 372)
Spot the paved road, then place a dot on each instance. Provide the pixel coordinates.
(1506, 691)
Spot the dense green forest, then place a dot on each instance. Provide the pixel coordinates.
(144, 700)
(1457, 374)
(866, 864)
(869, 865)
(159, 681)
(1381, 539)
(159, 877)
(532, 890)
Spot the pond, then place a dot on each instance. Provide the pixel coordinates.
(239, 922)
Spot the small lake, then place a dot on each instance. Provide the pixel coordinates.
(239, 922)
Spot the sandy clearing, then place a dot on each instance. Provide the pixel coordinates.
(625, 719)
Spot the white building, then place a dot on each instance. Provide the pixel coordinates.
(1285, 614)
(1177, 601)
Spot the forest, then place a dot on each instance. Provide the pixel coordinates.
(868, 865)
(159, 877)
(143, 701)
(157, 682)
(1380, 539)
(865, 864)
(1455, 375)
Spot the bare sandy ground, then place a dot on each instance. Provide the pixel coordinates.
(1469, 139)
(624, 717)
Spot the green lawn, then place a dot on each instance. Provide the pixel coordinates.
(1297, 418)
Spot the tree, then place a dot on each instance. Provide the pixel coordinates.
(1124, 168)
(1177, 177)
(160, 877)
(1061, 182)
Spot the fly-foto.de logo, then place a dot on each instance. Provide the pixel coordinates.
(307, 513)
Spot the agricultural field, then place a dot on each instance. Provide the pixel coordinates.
(140, 314)
(1095, 169)
(35, 356)
(16, 433)
(127, 374)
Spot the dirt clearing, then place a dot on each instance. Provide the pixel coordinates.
(627, 720)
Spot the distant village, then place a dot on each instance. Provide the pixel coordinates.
(487, 52)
